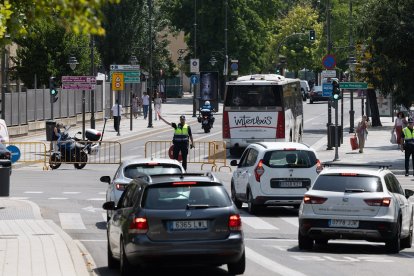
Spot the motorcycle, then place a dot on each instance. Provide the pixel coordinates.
(74, 150)
(206, 119)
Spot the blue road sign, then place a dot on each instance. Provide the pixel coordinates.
(194, 79)
(327, 89)
(15, 153)
(329, 61)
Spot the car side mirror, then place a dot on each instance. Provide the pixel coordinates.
(408, 193)
(109, 205)
(233, 163)
(106, 179)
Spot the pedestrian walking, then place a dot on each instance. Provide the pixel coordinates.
(182, 135)
(400, 123)
(157, 105)
(407, 145)
(135, 105)
(362, 133)
(145, 104)
(117, 114)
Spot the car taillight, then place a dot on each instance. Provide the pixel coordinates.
(259, 171)
(386, 201)
(319, 166)
(235, 223)
(280, 128)
(120, 187)
(226, 125)
(138, 226)
(313, 199)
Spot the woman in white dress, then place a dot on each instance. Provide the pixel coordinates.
(157, 105)
(400, 123)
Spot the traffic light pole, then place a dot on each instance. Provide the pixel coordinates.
(336, 133)
(328, 48)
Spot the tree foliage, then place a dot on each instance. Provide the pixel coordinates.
(45, 51)
(80, 17)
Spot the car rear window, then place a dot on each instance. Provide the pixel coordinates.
(137, 170)
(289, 158)
(185, 196)
(340, 183)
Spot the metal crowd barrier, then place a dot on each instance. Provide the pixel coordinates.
(30, 152)
(204, 153)
(102, 152)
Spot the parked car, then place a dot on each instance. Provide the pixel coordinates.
(4, 152)
(356, 202)
(273, 173)
(304, 88)
(133, 168)
(317, 95)
(4, 133)
(175, 219)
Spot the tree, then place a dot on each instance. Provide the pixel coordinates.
(80, 17)
(44, 52)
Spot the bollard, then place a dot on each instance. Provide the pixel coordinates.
(5, 171)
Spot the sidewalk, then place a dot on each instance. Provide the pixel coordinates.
(30, 245)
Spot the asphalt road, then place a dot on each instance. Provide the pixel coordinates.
(73, 199)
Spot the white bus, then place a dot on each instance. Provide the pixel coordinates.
(259, 108)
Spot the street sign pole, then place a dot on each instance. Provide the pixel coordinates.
(83, 115)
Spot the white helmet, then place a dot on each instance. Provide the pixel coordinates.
(207, 103)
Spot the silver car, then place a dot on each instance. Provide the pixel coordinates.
(175, 220)
(130, 169)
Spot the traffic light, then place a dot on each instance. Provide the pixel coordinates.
(336, 92)
(312, 35)
(53, 89)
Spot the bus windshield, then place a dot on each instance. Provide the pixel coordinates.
(253, 96)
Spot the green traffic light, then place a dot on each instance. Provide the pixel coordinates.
(336, 97)
(53, 92)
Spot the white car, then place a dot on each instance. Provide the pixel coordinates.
(4, 133)
(356, 202)
(273, 173)
(130, 169)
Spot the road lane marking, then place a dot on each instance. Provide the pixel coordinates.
(97, 198)
(71, 221)
(258, 223)
(19, 198)
(70, 193)
(270, 264)
(292, 221)
(33, 192)
(102, 193)
(58, 198)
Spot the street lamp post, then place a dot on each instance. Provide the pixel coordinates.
(133, 60)
(72, 64)
(352, 64)
(92, 44)
(150, 62)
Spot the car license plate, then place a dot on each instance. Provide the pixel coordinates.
(344, 223)
(290, 184)
(189, 225)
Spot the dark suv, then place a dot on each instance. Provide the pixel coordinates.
(173, 218)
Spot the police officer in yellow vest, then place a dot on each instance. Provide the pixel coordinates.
(182, 134)
(407, 144)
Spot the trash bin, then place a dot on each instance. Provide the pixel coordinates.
(331, 135)
(50, 126)
(5, 171)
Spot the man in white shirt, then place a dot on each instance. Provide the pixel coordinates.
(145, 104)
(117, 113)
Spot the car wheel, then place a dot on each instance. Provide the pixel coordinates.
(237, 202)
(394, 244)
(124, 264)
(112, 262)
(407, 242)
(237, 267)
(305, 243)
(251, 206)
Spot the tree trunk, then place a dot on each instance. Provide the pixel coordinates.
(373, 104)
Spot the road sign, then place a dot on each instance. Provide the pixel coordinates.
(234, 66)
(79, 79)
(327, 89)
(117, 81)
(328, 74)
(125, 67)
(194, 79)
(129, 76)
(79, 86)
(194, 65)
(329, 61)
(353, 85)
(15, 153)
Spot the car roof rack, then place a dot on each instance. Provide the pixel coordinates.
(335, 164)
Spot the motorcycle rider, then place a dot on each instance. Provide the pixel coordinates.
(205, 107)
